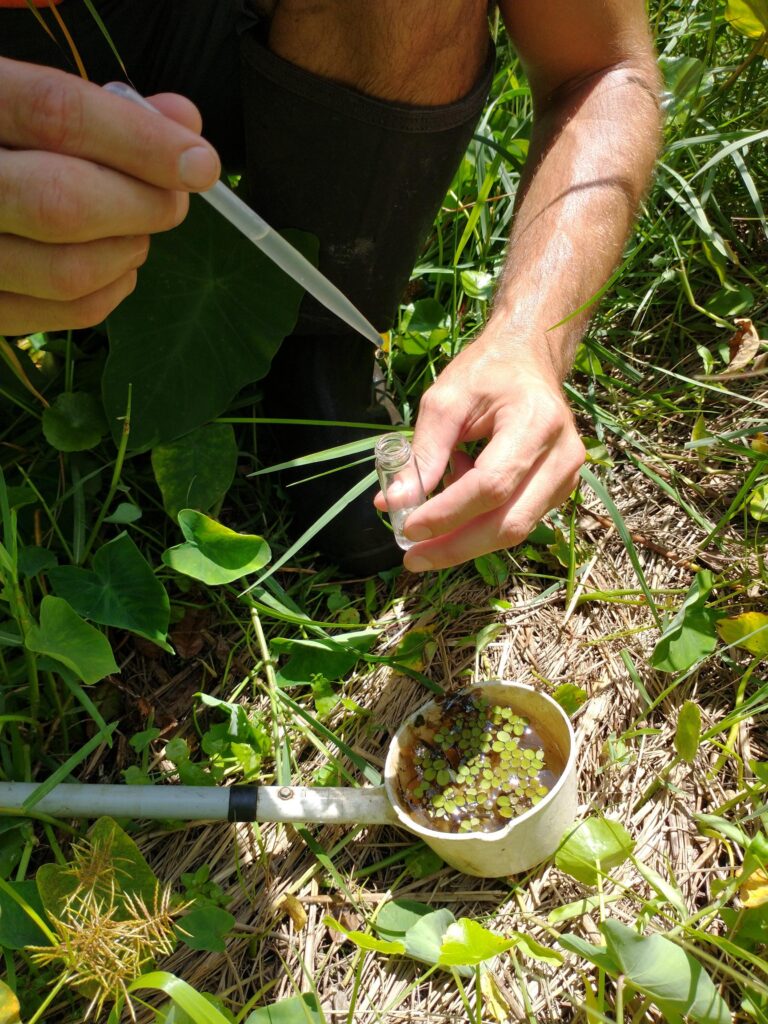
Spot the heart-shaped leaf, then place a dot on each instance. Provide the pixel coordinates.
(466, 944)
(67, 638)
(207, 316)
(213, 553)
(196, 470)
(121, 590)
(660, 969)
(690, 634)
(595, 845)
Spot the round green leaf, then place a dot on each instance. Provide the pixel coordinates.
(213, 553)
(205, 927)
(206, 318)
(596, 845)
(196, 471)
(74, 422)
(65, 637)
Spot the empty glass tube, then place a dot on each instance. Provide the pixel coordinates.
(400, 482)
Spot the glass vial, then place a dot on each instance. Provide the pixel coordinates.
(400, 482)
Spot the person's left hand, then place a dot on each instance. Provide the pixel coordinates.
(512, 395)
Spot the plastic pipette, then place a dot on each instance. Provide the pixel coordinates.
(273, 245)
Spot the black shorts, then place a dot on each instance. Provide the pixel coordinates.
(185, 46)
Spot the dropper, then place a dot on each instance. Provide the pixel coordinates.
(272, 244)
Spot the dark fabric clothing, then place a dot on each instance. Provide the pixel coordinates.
(166, 46)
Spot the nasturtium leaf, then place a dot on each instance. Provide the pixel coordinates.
(596, 841)
(690, 635)
(67, 638)
(213, 553)
(493, 569)
(74, 422)
(750, 17)
(303, 1009)
(33, 560)
(196, 470)
(664, 972)
(9, 1005)
(120, 590)
(17, 929)
(205, 927)
(365, 941)
(397, 916)
(749, 630)
(206, 318)
(467, 943)
(125, 513)
(758, 503)
(688, 732)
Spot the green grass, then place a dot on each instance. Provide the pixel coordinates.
(303, 678)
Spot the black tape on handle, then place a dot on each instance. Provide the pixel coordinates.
(243, 803)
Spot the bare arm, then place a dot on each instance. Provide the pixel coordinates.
(596, 128)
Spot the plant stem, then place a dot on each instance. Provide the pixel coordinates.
(282, 763)
(48, 1000)
(116, 472)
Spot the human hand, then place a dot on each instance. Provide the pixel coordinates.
(513, 397)
(85, 178)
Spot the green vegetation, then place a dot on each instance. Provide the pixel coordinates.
(156, 626)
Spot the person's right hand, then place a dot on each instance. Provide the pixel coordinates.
(85, 178)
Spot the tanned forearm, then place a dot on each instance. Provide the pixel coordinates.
(592, 155)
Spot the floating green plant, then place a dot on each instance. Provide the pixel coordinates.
(472, 766)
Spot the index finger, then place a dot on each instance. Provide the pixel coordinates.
(46, 109)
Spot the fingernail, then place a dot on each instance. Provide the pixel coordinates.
(198, 167)
(418, 564)
(417, 532)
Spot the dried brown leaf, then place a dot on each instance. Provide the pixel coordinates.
(744, 345)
